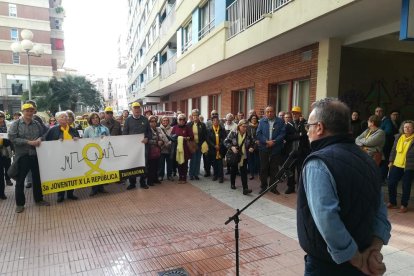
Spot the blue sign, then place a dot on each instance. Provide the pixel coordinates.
(407, 20)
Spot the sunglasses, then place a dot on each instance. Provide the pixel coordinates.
(181, 119)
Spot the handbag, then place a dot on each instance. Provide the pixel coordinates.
(192, 146)
(232, 158)
(155, 152)
(377, 157)
(13, 170)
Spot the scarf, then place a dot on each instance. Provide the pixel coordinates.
(216, 131)
(402, 147)
(66, 135)
(240, 142)
(179, 156)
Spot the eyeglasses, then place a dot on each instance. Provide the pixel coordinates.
(181, 119)
(214, 114)
(308, 125)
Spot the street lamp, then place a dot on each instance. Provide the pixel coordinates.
(27, 45)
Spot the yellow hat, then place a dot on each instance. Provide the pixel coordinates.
(297, 109)
(27, 106)
(136, 104)
(109, 109)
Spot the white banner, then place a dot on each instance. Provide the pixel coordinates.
(66, 165)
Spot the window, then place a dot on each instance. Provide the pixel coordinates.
(155, 66)
(14, 35)
(214, 102)
(282, 98)
(12, 10)
(57, 24)
(196, 103)
(301, 95)
(243, 100)
(16, 58)
(187, 36)
(206, 18)
(292, 93)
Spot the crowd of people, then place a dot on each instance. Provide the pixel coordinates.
(341, 163)
(175, 146)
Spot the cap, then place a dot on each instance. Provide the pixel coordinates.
(27, 106)
(135, 104)
(297, 109)
(109, 109)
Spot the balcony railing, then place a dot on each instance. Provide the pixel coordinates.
(206, 29)
(242, 14)
(168, 22)
(169, 67)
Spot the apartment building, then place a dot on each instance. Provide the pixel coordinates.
(44, 18)
(237, 55)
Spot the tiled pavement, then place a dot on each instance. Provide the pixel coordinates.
(143, 232)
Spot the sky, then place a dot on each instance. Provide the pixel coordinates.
(91, 29)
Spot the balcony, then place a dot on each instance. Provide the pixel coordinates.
(168, 22)
(242, 14)
(169, 67)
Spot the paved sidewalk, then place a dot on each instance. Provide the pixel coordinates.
(143, 232)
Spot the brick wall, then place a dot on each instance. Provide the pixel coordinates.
(24, 11)
(38, 36)
(259, 76)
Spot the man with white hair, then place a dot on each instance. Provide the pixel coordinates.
(62, 131)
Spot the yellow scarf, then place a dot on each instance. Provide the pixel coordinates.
(402, 147)
(179, 156)
(66, 135)
(216, 131)
(240, 139)
(195, 132)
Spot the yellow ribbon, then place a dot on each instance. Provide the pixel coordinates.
(94, 167)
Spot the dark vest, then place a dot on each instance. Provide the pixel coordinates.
(358, 185)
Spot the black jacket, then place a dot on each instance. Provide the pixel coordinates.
(55, 133)
(211, 141)
(358, 184)
(202, 132)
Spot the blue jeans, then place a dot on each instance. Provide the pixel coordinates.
(395, 176)
(253, 162)
(165, 158)
(195, 163)
(316, 267)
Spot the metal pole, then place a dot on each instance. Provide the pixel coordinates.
(30, 81)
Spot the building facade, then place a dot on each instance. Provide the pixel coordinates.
(44, 18)
(237, 55)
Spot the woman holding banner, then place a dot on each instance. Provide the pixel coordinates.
(62, 131)
(96, 130)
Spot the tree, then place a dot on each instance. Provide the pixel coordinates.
(66, 93)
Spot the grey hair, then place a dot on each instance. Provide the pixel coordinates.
(406, 122)
(334, 114)
(60, 113)
(182, 115)
(195, 111)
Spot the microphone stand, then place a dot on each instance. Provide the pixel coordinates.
(281, 176)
